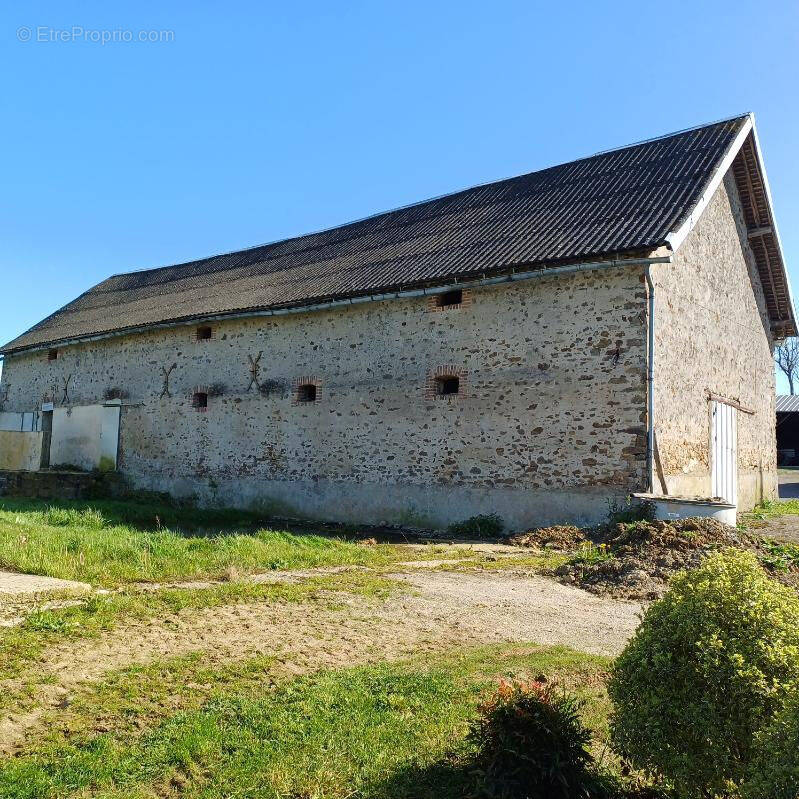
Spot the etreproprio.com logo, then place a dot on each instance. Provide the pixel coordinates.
(77, 33)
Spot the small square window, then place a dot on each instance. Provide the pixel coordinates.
(446, 382)
(52, 355)
(449, 298)
(306, 393)
(204, 333)
(200, 400)
(447, 385)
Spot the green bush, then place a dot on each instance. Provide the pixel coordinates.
(774, 773)
(531, 743)
(589, 554)
(708, 668)
(484, 526)
(629, 511)
(780, 555)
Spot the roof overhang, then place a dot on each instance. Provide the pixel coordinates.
(745, 159)
(511, 276)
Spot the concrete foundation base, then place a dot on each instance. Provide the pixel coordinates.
(61, 485)
(753, 486)
(430, 506)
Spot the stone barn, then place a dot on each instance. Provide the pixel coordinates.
(538, 347)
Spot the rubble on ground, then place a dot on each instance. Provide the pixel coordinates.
(636, 560)
(560, 536)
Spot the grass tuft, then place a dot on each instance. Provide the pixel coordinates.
(93, 542)
(770, 508)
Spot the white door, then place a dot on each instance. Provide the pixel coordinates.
(723, 454)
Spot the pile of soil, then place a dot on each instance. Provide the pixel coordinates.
(562, 536)
(637, 560)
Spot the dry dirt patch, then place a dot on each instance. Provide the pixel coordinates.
(22, 593)
(14, 584)
(780, 528)
(514, 608)
(444, 610)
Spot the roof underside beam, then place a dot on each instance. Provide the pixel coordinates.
(763, 237)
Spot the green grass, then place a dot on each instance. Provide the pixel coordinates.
(589, 554)
(112, 543)
(780, 556)
(770, 508)
(379, 731)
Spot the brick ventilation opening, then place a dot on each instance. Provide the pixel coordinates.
(204, 333)
(448, 385)
(199, 400)
(450, 300)
(52, 355)
(446, 382)
(306, 389)
(306, 393)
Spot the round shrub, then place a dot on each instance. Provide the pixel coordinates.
(709, 667)
(531, 743)
(774, 773)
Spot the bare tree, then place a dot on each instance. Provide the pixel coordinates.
(787, 357)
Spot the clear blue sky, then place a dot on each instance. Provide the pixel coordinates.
(257, 121)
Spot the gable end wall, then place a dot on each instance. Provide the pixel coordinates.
(713, 335)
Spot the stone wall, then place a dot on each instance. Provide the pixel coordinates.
(712, 335)
(549, 424)
(61, 485)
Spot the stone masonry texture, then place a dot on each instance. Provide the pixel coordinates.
(712, 336)
(552, 424)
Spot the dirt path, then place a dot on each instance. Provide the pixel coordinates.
(15, 584)
(21, 593)
(781, 528)
(445, 609)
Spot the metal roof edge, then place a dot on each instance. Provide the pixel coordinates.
(787, 403)
(676, 237)
(673, 133)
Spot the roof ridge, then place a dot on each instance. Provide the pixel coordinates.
(733, 118)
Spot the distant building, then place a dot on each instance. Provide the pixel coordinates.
(788, 430)
(534, 347)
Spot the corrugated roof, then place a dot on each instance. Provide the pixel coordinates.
(615, 203)
(787, 403)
